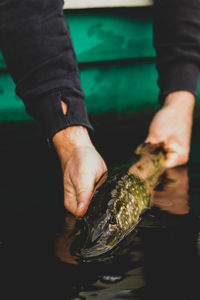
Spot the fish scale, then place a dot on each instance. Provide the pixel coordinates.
(118, 205)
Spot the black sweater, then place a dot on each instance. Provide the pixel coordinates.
(37, 48)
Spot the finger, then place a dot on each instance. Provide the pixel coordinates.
(152, 139)
(84, 193)
(78, 192)
(175, 159)
(171, 160)
(70, 202)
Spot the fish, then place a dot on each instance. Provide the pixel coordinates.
(119, 203)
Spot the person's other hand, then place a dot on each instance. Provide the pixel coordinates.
(82, 167)
(172, 125)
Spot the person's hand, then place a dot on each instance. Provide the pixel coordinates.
(82, 167)
(172, 125)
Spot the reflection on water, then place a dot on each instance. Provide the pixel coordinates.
(162, 262)
(163, 259)
(172, 194)
(65, 238)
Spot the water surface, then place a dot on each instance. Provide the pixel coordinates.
(162, 262)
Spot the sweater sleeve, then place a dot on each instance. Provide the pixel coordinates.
(37, 47)
(177, 44)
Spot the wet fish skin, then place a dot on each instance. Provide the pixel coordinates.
(122, 209)
(118, 205)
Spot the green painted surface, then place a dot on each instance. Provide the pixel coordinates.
(110, 37)
(120, 88)
(99, 37)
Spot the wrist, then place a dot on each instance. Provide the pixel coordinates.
(181, 99)
(70, 138)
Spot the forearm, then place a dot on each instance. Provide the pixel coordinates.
(38, 50)
(177, 43)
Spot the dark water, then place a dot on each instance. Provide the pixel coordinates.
(163, 262)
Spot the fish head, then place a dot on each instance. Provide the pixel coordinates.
(122, 205)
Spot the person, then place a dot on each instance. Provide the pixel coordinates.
(37, 48)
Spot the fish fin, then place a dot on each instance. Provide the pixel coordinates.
(149, 148)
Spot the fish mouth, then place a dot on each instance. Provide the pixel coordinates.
(95, 251)
(100, 251)
(96, 248)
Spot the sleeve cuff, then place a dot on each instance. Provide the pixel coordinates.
(48, 111)
(178, 77)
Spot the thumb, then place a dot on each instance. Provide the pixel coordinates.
(176, 155)
(176, 159)
(171, 160)
(84, 193)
